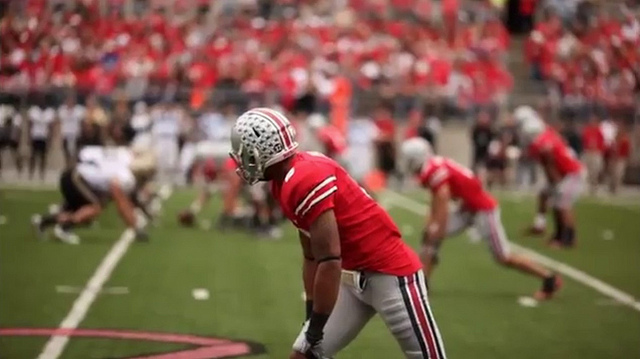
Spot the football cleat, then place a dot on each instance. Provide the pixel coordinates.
(534, 231)
(550, 286)
(65, 236)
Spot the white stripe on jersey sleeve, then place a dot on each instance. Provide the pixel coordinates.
(438, 176)
(313, 192)
(319, 198)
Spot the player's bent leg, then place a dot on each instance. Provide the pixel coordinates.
(569, 190)
(493, 230)
(403, 304)
(540, 220)
(349, 316)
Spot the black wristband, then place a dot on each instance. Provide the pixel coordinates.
(316, 327)
(309, 304)
(329, 258)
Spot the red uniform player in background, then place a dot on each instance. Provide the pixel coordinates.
(355, 262)
(564, 172)
(449, 181)
(333, 142)
(209, 171)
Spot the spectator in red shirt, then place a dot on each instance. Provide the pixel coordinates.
(385, 141)
(620, 151)
(593, 155)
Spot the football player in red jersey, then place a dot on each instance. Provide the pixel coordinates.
(210, 172)
(449, 181)
(355, 262)
(332, 140)
(564, 172)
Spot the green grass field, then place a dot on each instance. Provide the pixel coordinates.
(255, 289)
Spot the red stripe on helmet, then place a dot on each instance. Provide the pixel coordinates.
(281, 123)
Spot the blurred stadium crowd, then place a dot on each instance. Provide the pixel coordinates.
(589, 60)
(373, 71)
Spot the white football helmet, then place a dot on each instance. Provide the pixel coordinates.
(530, 124)
(260, 138)
(414, 153)
(523, 113)
(316, 121)
(143, 166)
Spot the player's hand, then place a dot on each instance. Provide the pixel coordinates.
(307, 345)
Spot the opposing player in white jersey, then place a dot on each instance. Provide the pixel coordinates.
(10, 134)
(141, 122)
(165, 129)
(40, 123)
(101, 175)
(70, 115)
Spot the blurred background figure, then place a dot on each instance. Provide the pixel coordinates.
(482, 134)
(70, 115)
(141, 122)
(593, 152)
(332, 142)
(40, 132)
(166, 131)
(385, 141)
(10, 135)
(620, 152)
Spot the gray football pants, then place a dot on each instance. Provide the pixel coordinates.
(401, 302)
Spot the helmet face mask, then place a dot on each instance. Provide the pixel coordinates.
(260, 138)
(248, 166)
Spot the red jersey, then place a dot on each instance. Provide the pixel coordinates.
(564, 158)
(592, 139)
(332, 140)
(463, 184)
(622, 148)
(369, 239)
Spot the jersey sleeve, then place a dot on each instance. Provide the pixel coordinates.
(435, 175)
(310, 191)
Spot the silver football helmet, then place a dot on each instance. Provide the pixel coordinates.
(414, 153)
(260, 138)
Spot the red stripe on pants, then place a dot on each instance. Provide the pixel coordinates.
(418, 309)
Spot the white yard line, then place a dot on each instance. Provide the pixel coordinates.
(56, 344)
(568, 271)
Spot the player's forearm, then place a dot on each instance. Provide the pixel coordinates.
(326, 286)
(308, 277)
(437, 223)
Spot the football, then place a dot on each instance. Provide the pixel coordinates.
(186, 218)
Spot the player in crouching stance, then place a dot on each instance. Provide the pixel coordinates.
(564, 172)
(100, 175)
(355, 262)
(449, 181)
